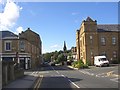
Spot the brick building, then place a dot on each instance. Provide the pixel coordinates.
(93, 40)
(25, 48)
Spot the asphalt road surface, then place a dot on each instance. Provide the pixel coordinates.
(64, 77)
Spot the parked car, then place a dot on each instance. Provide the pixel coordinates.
(101, 61)
(44, 64)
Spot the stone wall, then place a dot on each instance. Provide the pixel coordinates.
(9, 72)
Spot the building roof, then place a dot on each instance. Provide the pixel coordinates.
(7, 34)
(108, 27)
(89, 19)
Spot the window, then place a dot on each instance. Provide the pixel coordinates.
(22, 45)
(7, 45)
(113, 40)
(91, 39)
(103, 41)
(83, 41)
(114, 54)
(91, 53)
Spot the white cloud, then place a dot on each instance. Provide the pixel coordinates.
(9, 15)
(19, 30)
(75, 13)
(55, 46)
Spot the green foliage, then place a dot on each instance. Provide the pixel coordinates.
(47, 57)
(57, 56)
(79, 64)
(57, 61)
(61, 58)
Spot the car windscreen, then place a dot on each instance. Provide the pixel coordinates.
(103, 59)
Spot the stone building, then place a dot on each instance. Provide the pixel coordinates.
(8, 45)
(33, 45)
(74, 53)
(93, 40)
(25, 48)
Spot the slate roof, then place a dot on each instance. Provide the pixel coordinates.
(108, 27)
(7, 34)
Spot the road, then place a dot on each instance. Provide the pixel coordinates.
(64, 77)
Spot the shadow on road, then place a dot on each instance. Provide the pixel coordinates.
(58, 82)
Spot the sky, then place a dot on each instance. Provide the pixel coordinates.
(55, 22)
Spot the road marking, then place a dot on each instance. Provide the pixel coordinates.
(115, 80)
(67, 78)
(92, 74)
(73, 83)
(53, 68)
(88, 73)
(70, 81)
(40, 81)
(33, 72)
(41, 72)
(37, 85)
(57, 72)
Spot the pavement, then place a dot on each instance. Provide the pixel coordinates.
(25, 82)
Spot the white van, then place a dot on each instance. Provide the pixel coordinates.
(101, 61)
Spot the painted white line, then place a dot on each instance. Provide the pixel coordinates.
(43, 72)
(73, 83)
(87, 73)
(57, 72)
(98, 76)
(53, 68)
(67, 78)
(32, 74)
(115, 80)
(55, 75)
(70, 81)
(63, 76)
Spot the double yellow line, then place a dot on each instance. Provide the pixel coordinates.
(37, 84)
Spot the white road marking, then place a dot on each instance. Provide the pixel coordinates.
(92, 74)
(73, 83)
(55, 75)
(70, 81)
(115, 80)
(57, 72)
(43, 72)
(66, 77)
(88, 73)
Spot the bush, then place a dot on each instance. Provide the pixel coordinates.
(79, 64)
(85, 66)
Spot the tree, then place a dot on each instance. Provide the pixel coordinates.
(61, 58)
(47, 57)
